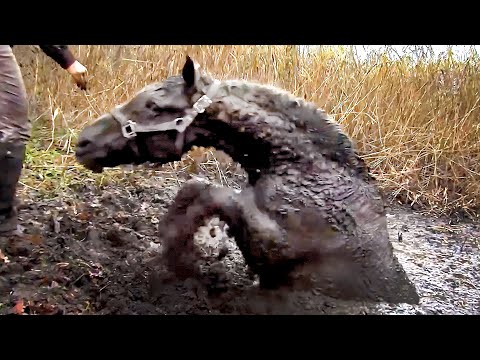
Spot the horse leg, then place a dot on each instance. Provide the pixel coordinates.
(259, 238)
(262, 241)
(195, 203)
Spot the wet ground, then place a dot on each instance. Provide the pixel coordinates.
(90, 251)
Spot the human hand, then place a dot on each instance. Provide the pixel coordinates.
(78, 72)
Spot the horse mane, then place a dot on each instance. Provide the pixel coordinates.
(307, 118)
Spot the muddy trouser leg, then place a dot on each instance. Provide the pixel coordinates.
(258, 237)
(14, 134)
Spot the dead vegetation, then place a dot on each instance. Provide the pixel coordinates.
(416, 122)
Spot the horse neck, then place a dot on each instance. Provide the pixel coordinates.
(271, 128)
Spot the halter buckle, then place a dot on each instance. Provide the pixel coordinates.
(128, 129)
(201, 104)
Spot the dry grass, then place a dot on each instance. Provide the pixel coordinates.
(415, 122)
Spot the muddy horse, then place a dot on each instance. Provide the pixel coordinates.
(311, 208)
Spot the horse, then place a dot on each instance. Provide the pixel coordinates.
(311, 208)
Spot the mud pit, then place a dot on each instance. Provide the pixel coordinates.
(90, 251)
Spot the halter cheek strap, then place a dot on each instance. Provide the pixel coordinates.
(131, 128)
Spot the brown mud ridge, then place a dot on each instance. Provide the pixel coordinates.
(90, 252)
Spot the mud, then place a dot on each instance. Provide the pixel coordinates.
(93, 251)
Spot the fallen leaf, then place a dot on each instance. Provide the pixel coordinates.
(4, 258)
(19, 307)
(84, 216)
(35, 239)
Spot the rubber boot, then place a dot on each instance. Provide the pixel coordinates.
(11, 164)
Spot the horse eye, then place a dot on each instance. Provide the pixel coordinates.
(150, 104)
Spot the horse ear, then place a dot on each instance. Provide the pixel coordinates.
(189, 72)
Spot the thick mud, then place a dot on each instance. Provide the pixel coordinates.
(92, 251)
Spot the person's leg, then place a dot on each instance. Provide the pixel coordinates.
(14, 134)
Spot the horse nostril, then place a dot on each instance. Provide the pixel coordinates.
(83, 143)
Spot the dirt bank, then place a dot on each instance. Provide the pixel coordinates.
(89, 251)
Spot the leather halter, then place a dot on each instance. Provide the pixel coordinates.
(131, 128)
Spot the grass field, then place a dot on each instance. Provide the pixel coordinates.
(416, 123)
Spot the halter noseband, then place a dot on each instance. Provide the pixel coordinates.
(131, 128)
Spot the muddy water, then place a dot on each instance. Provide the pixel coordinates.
(442, 259)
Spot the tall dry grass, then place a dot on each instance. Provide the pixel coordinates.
(416, 123)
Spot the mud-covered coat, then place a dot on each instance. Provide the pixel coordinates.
(311, 209)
